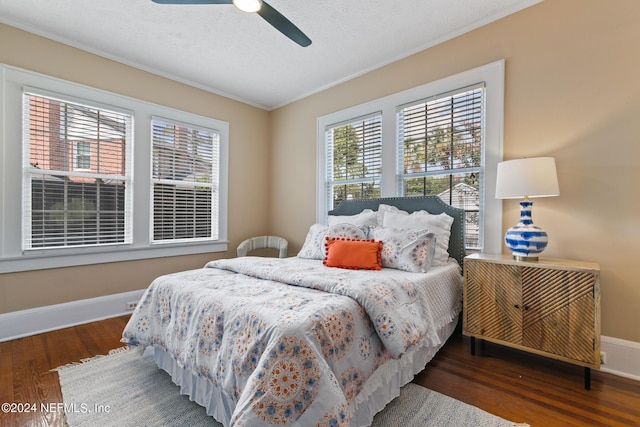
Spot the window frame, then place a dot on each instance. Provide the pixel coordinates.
(373, 178)
(213, 185)
(79, 154)
(12, 256)
(439, 110)
(124, 176)
(492, 75)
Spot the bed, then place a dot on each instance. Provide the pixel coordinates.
(300, 341)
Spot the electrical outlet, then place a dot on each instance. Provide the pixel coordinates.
(131, 305)
(603, 358)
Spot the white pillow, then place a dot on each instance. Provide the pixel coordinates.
(383, 209)
(366, 217)
(420, 220)
(408, 250)
(313, 247)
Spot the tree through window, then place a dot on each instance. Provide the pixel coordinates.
(440, 144)
(355, 154)
(442, 138)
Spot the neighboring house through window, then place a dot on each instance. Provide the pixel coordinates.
(443, 138)
(68, 201)
(185, 181)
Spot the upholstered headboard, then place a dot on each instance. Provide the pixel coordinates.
(431, 204)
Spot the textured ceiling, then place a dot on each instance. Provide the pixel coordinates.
(223, 50)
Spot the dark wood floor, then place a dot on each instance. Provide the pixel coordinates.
(531, 389)
(510, 384)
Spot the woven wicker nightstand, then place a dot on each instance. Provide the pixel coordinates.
(550, 307)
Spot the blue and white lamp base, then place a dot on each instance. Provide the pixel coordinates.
(526, 240)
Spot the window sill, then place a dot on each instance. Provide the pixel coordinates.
(77, 256)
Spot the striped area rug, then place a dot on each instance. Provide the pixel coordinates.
(126, 389)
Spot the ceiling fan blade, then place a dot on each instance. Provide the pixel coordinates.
(193, 1)
(283, 25)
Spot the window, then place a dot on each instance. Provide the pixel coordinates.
(82, 155)
(67, 201)
(97, 177)
(185, 176)
(443, 138)
(354, 159)
(440, 151)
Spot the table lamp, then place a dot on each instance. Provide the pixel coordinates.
(526, 178)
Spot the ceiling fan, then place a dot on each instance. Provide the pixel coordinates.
(263, 9)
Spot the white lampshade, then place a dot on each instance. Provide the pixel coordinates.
(529, 177)
(248, 5)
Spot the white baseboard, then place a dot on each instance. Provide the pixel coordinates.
(33, 321)
(622, 357)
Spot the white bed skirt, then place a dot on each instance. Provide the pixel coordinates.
(380, 389)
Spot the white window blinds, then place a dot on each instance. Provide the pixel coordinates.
(440, 149)
(354, 159)
(185, 177)
(76, 182)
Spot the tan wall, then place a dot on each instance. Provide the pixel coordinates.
(572, 91)
(248, 169)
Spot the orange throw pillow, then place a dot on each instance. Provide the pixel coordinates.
(352, 254)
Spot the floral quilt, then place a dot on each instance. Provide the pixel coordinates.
(280, 341)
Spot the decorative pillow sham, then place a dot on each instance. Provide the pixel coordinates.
(421, 220)
(353, 254)
(367, 217)
(313, 247)
(408, 250)
(383, 209)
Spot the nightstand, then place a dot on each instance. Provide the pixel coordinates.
(549, 307)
